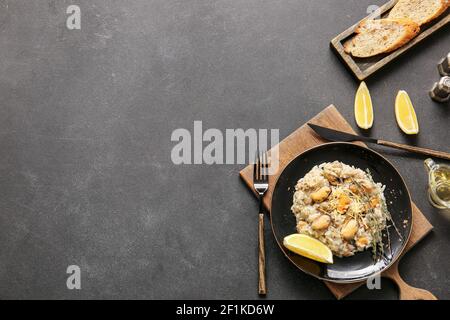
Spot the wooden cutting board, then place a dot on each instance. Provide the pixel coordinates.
(304, 138)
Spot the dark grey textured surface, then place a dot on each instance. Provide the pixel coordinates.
(85, 124)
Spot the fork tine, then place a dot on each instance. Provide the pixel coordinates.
(258, 170)
(261, 166)
(264, 177)
(266, 167)
(254, 166)
(257, 167)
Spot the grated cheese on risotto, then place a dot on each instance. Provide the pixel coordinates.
(341, 206)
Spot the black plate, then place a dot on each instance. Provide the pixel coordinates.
(362, 265)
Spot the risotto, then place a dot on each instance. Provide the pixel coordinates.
(341, 206)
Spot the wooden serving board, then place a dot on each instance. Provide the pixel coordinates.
(304, 138)
(364, 67)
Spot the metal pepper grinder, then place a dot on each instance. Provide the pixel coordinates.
(441, 90)
(444, 66)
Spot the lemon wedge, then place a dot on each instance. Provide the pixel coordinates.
(308, 247)
(363, 107)
(405, 113)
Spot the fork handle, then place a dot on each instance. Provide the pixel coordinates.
(262, 257)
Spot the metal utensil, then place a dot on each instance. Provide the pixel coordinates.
(444, 66)
(339, 136)
(261, 184)
(441, 90)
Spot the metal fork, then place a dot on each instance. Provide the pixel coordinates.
(261, 184)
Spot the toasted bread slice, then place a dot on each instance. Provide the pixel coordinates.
(421, 11)
(381, 36)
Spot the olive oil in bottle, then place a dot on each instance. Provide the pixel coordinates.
(439, 184)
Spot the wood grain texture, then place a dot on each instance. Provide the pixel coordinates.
(305, 138)
(261, 257)
(363, 68)
(427, 152)
(407, 292)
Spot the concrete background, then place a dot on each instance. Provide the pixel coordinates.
(85, 123)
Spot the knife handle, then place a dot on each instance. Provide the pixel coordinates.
(428, 152)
